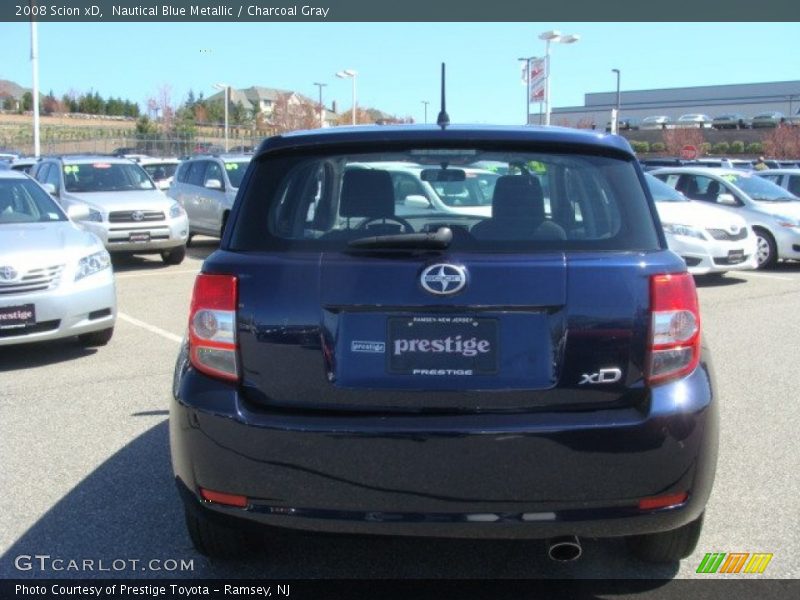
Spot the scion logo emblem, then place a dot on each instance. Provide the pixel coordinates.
(602, 376)
(443, 279)
(137, 215)
(8, 273)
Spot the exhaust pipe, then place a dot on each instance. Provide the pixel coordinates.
(564, 549)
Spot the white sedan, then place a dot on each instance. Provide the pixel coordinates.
(55, 278)
(710, 240)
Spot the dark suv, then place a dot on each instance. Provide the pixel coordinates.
(535, 373)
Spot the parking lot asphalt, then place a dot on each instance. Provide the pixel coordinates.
(86, 470)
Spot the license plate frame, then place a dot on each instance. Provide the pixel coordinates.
(139, 237)
(473, 347)
(18, 316)
(735, 256)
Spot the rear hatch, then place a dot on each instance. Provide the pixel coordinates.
(497, 319)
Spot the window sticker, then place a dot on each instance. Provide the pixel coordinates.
(71, 169)
(231, 166)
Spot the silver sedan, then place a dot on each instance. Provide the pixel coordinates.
(55, 279)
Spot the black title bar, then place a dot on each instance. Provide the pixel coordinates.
(406, 11)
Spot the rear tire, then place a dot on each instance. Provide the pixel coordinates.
(96, 338)
(174, 256)
(766, 249)
(668, 546)
(215, 540)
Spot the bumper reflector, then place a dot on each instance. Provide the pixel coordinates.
(223, 498)
(662, 501)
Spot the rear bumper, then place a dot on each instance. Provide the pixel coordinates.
(530, 475)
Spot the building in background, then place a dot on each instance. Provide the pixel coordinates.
(747, 99)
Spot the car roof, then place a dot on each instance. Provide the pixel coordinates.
(782, 171)
(85, 159)
(155, 161)
(718, 171)
(12, 174)
(432, 134)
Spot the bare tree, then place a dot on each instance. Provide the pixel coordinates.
(161, 104)
(291, 112)
(782, 142)
(676, 139)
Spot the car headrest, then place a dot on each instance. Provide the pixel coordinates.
(518, 197)
(367, 193)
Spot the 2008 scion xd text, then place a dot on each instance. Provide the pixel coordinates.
(358, 364)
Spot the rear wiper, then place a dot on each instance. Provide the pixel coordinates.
(436, 240)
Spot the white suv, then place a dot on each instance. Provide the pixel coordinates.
(205, 186)
(117, 201)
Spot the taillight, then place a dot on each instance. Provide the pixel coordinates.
(674, 327)
(212, 326)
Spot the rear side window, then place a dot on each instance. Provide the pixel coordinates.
(794, 184)
(492, 201)
(196, 171)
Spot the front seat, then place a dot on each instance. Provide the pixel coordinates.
(366, 194)
(518, 212)
(712, 191)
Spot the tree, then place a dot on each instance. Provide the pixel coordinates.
(676, 139)
(27, 101)
(291, 112)
(782, 142)
(145, 127)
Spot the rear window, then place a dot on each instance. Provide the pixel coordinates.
(491, 201)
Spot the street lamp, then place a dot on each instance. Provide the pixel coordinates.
(527, 61)
(350, 74)
(615, 119)
(425, 102)
(225, 87)
(321, 109)
(556, 37)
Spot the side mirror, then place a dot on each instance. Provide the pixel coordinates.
(727, 200)
(213, 184)
(78, 212)
(50, 189)
(416, 201)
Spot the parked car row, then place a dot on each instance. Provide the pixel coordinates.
(649, 164)
(703, 121)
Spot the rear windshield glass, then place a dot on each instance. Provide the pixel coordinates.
(236, 171)
(22, 201)
(159, 172)
(662, 192)
(105, 177)
(490, 200)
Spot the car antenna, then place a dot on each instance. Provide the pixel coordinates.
(443, 120)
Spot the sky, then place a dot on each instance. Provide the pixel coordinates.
(397, 63)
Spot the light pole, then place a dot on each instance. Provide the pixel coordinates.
(225, 87)
(35, 68)
(321, 109)
(425, 103)
(351, 74)
(556, 37)
(615, 119)
(527, 61)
